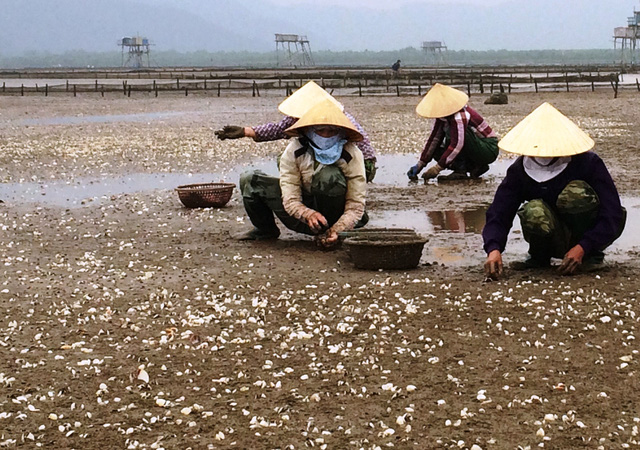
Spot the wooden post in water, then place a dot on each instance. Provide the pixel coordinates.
(566, 80)
(481, 85)
(219, 89)
(468, 88)
(37, 88)
(186, 91)
(535, 83)
(253, 89)
(124, 87)
(96, 85)
(398, 90)
(359, 89)
(67, 88)
(22, 90)
(419, 91)
(593, 86)
(4, 87)
(102, 90)
(74, 90)
(46, 90)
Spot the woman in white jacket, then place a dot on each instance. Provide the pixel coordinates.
(322, 185)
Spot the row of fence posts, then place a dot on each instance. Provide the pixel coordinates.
(126, 87)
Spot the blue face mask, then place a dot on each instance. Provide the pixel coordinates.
(327, 150)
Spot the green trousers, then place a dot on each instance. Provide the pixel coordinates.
(552, 230)
(476, 152)
(262, 199)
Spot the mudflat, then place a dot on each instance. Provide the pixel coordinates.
(130, 321)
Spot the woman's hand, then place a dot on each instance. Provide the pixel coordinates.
(572, 260)
(328, 239)
(493, 265)
(317, 222)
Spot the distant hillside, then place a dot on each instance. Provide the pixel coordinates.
(97, 25)
(234, 25)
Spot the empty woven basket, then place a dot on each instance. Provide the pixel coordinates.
(205, 195)
(385, 250)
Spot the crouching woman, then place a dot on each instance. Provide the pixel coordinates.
(566, 200)
(322, 184)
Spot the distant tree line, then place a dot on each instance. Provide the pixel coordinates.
(409, 56)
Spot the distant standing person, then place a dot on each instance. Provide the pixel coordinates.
(460, 139)
(395, 67)
(294, 107)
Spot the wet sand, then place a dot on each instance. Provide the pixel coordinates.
(108, 279)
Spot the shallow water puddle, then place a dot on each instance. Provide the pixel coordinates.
(90, 190)
(392, 169)
(454, 234)
(427, 222)
(441, 227)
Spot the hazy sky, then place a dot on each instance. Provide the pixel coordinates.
(383, 4)
(336, 25)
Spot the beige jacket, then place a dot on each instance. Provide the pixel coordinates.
(295, 178)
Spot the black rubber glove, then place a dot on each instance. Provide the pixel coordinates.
(230, 132)
(370, 169)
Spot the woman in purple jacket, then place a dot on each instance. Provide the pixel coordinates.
(568, 205)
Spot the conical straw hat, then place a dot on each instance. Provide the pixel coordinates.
(305, 98)
(441, 101)
(325, 113)
(546, 133)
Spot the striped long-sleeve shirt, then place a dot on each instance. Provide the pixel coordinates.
(456, 124)
(274, 131)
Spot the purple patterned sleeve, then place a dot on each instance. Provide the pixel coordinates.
(365, 144)
(273, 131)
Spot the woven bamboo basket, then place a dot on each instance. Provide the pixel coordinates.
(385, 250)
(205, 195)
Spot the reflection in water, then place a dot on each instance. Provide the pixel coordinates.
(465, 221)
(407, 218)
